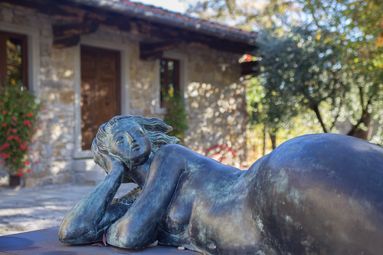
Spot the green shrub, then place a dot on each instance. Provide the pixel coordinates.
(176, 115)
(18, 112)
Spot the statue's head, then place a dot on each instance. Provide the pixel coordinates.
(130, 139)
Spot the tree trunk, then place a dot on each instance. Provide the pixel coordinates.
(273, 139)
(264, 140)
(363, 133)
(315, 108)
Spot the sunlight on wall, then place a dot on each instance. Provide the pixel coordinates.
(218, 119)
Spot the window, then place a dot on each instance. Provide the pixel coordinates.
(13, 59)
(169, 79)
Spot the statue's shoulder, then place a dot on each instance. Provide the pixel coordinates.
(175, 147)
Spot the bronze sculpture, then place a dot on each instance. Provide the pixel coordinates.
(315, 194)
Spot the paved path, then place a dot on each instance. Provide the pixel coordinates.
(35, 208)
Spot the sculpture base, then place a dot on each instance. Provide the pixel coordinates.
(45, 242)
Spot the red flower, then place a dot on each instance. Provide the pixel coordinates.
(4, 124)
(29, 114)
(27, 163)
(23, 146)
(19, 174)
(27, 123)
(13, 137)
(13, 130)
(4, 146)
(4, 155)
(14, 118)
(248, 58)
(5, 112)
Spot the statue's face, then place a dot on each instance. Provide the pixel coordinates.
(130, 143)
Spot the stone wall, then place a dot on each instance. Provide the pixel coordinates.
(52, 148)
(215, 98)
(216, 101)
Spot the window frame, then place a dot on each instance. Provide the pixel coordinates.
(125, 51)
(183, 74)
(177, 72)
(4, 35)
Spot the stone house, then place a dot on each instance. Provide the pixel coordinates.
(88, 60)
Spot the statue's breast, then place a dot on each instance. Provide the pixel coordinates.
(174, 225)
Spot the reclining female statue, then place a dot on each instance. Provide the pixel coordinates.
(315, 194)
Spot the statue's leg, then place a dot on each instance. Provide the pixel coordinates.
(138, 227)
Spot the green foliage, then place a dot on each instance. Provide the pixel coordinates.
(359, 31)
(303, 73)
(176, 115)
(18, 114)
(322, 58)
(248, 14)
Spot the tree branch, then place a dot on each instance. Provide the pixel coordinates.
(362, 117)
(316, 110)
(338, 112)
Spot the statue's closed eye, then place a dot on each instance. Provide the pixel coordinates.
(122, 138)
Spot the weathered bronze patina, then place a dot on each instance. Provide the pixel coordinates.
(315, 194)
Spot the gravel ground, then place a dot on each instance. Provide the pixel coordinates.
(28, 209)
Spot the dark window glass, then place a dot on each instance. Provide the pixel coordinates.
(13, 59)
(169, 79)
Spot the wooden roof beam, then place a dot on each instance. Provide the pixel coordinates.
(155, 50)
(68, 34)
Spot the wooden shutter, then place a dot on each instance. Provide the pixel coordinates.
(100, 90)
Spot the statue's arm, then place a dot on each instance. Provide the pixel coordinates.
(138, 227)
(89, 218)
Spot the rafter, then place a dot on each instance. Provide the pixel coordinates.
(155, 50)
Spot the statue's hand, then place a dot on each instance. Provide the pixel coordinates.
(113, 165)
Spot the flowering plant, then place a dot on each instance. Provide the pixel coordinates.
(18, 110)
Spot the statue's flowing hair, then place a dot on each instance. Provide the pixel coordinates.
(154, 129)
